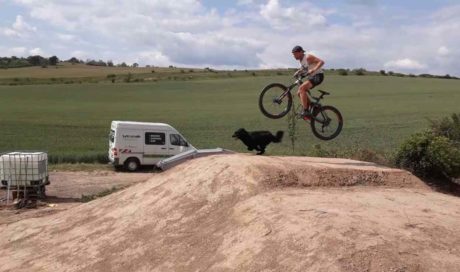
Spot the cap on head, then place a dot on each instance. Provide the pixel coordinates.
(297, 48)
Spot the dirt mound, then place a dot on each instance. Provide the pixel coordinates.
(249, 213)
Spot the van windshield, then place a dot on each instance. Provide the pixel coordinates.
(112, 136)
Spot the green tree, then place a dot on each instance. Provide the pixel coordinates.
(53, 60)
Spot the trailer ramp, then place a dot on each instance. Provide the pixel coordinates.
(188, 155)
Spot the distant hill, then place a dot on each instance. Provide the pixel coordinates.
(77, 72)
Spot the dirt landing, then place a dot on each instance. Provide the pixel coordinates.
(248, 213)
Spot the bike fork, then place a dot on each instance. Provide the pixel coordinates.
(283, 95)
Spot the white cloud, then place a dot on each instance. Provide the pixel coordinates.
(155, 58)
(405, 64)
(79, 54)
(19, 51)
(245, 2)
(299, 16)
(36, 51)
(251, 34)
(66, 37)
(18, 29)
(443, 51)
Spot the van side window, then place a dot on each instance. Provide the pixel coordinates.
(154, 138)
(176, 139)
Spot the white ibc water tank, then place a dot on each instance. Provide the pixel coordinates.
(24, 168)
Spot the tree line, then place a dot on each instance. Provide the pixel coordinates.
(37, 60)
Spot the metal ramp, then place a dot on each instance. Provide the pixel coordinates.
(191, 154)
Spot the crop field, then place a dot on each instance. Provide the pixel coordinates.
(73, 120)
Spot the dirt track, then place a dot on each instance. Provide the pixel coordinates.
(248, 213)
(66, 191)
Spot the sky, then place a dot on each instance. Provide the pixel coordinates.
(402, 36)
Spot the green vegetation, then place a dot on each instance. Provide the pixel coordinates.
(72, 121)
(435, 152)
(88, 198)
(98, 72)
(76, 167)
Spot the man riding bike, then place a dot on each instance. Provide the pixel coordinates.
(311, 66)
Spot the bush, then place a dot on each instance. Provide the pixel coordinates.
(435, 152)
(426, 75)
(128, 78)
(449, 128)
(360, 72)
(343, 72)
(78, 158)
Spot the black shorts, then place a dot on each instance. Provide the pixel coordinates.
(316, 79)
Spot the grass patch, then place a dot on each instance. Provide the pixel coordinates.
(75, 167)
(88, 198)
(72, 121)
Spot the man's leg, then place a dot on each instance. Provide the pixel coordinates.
(303, 89)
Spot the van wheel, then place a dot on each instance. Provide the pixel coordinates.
(131, 164)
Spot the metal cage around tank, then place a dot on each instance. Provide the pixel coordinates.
(24, 174)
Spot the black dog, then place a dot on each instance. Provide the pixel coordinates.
(257, 140)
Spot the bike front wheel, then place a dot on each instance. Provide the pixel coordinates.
(326, 123)
(274, 101)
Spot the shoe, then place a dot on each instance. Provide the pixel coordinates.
(306, 115)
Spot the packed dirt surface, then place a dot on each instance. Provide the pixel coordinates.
(66, 191)
(249, 213)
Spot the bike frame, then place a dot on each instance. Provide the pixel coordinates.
(314, 100)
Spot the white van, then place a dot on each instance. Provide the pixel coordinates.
(132, 144)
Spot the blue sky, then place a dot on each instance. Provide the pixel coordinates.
(405, 36)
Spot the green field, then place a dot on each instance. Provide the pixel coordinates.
(74, 119)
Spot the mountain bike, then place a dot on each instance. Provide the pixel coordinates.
(275, 101)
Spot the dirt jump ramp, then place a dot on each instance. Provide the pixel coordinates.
(249, 213)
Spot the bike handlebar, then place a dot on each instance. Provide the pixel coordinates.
(300, 74)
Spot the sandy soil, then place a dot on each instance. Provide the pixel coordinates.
(66, 191)
(249, 213)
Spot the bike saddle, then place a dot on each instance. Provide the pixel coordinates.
(323, 92)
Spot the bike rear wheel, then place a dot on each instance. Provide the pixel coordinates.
(274, 102)
(327, 123)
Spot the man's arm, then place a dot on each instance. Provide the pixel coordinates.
(315, 60)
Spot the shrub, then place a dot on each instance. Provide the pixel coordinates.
(78, 158)
(128, 78)
(449, 128)
(360, 72)
(426, 75)
(343, 72)
(383, 73)
(435, 152)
